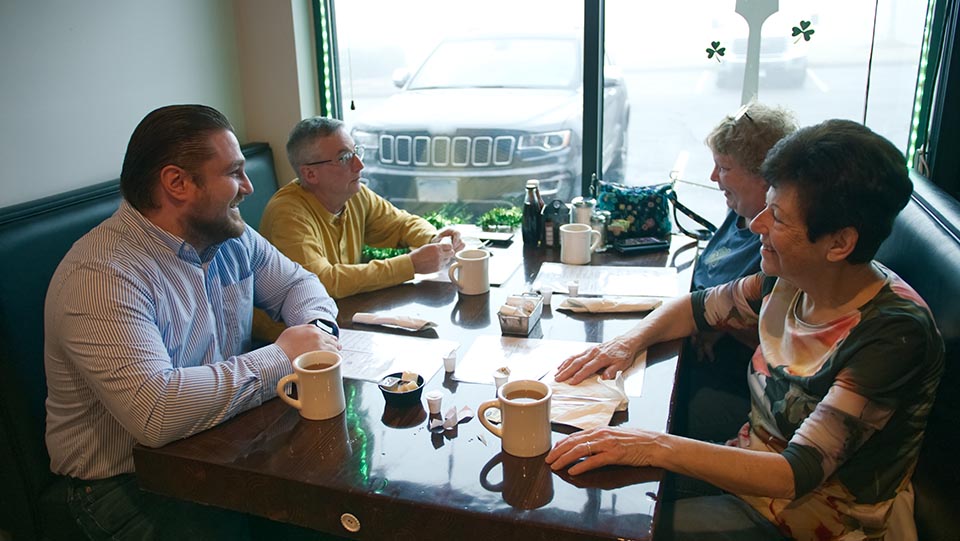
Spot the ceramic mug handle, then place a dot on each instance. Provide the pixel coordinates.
(282, 393)
(452, 271)
(496, 430)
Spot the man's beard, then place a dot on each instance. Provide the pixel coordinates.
(214, 230)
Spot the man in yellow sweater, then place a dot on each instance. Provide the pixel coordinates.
(323, 219)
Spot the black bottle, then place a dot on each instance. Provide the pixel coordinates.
(532, 226)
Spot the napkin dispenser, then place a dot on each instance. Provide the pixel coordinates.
(520, 314)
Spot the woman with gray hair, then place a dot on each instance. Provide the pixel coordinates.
(739, 144)
(712, 384)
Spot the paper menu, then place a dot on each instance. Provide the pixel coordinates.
(608, 280)
(526, 358)
(370, 355)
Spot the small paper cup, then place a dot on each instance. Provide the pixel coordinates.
(434, 399)
(450, 362)
(547, 294)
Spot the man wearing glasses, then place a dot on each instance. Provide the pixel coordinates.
(324, 218)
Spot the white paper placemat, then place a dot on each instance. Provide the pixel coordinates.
(605, 280)
(371, 355)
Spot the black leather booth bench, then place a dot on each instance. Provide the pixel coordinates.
(924, 249)
(34, 237)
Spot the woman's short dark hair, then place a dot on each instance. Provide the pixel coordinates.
(173, 135)
(304, 134)
(845, 175)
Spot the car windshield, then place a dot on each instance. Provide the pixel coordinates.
(501, 63)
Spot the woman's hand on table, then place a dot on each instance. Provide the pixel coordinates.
(602, 447)
(612, 356)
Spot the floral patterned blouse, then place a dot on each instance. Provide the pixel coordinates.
(850, 397)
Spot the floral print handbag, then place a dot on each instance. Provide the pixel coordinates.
(644, 211)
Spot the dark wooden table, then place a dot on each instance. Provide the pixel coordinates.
(384, 470)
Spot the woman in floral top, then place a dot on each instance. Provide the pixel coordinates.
(843, 379)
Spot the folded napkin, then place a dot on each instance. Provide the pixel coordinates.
(611, 304)
(398, 322)
(452, 418)
(589, 404)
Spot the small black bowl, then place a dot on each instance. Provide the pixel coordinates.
(402, 400)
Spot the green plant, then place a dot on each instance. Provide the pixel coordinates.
(370, 253)
(505, 216)
(448, 215)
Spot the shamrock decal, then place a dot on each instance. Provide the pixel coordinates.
(715, 48)
(804, 29)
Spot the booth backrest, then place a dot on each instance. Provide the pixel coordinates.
(263, 175)
(34, 237)
(924, 249)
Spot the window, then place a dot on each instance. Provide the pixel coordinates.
(460, 103)
(678, 93)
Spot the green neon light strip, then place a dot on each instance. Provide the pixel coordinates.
(360, 438)
(327, 105)
(921, 79)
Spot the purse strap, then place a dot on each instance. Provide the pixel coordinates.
(700, 234)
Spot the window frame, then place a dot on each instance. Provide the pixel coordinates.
(942, 144)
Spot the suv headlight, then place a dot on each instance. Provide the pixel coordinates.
(366, 139)
(549, 142)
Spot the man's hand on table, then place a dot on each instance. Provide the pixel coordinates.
(300, 339)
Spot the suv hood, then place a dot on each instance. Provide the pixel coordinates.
(524, 109)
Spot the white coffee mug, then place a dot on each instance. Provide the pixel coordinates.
(471, 271)
(524, 406)
(577, 243)
(319, 385)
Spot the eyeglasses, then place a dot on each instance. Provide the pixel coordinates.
(344, 159)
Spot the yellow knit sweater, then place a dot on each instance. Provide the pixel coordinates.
(331, 245)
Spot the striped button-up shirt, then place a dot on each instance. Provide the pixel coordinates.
(147, 341)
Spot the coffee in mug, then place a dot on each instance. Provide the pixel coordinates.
(524, 407)
(470, 271)
(318, 366)
(524, 395)
(577, 243)
(319, 385)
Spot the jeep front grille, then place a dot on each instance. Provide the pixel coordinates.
(445, 151)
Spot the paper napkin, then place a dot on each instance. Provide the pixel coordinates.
(452, 418)
(588, 405)
(609, 304)
(398, 322)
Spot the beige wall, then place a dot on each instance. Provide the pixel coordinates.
(78, 76)
(278, 73)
